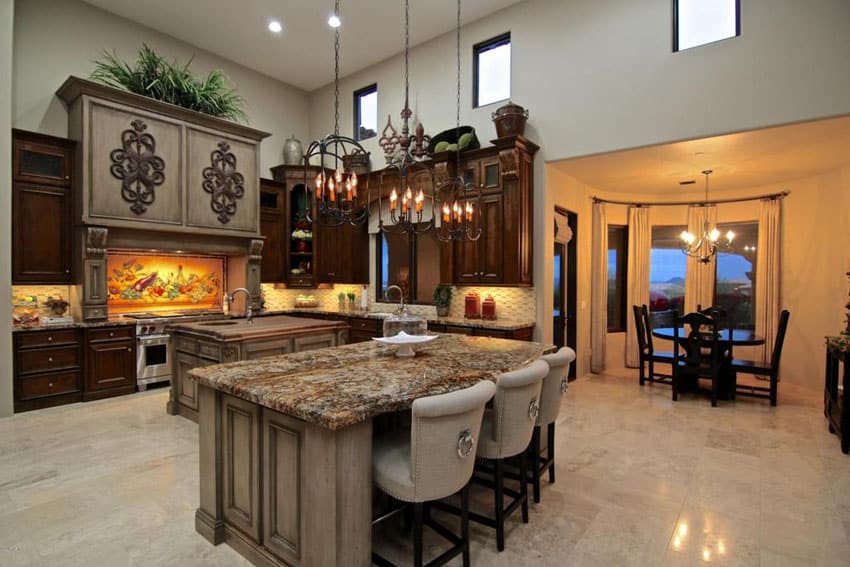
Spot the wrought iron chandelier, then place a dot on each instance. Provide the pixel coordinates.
(336, 186)
(409, 181)
(704, 247)
(458, 199)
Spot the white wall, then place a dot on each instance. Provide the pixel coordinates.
(57, 38)
(6, 19)
(601, 76)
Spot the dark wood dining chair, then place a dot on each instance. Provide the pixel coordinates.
(701, 358)
(759, 369)
(724, 321)
(648, 355)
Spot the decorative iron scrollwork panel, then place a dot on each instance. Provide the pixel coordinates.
(138, 167)
(223, 182)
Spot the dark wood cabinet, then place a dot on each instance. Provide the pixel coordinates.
(110, 362)
(41, 209)
(342, 254)
(48, 368)
(273, 227)
(297, 256)
(523, 334)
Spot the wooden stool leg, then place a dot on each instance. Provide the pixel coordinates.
(551, 451)
(523, 485)
(535, 463)
(500, 505)
(417, 534)
(464, 523)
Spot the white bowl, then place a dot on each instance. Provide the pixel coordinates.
(405, 342)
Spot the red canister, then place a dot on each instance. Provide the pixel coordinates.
(488, 308)
(472, 306)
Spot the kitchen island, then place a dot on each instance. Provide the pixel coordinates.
(286, 441)
(204, 343)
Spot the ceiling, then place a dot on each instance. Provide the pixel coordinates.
(739, 161)
(302, 55)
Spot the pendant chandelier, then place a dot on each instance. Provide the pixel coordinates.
(458, 199)
(336, 186)
(706, 245)
(408, 182)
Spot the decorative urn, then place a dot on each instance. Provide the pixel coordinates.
(293, 153)
(510, 120)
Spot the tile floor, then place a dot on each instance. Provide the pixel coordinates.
(641, 481)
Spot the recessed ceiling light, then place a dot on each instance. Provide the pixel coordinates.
(275, 26)
(334, 21)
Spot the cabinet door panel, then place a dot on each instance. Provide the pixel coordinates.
(271, 226)
(42, 234)
(110, 365)
(241, 468)
(114, 130)
(491, 243)
(466, 266)
(230, 200)
(491, 177)
(42, 163)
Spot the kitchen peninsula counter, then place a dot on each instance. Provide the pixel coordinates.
(286, 441)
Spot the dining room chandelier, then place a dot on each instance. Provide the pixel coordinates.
(408, 181)
(706, 245)
(336, 188)
(458, 200)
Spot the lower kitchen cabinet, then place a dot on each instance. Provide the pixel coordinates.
(48, 368)
(110, 362)
(522, 334)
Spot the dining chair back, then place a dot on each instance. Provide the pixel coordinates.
(702, 356)
(641, 330)
(648, 356)
(759, 369)
(779, 341)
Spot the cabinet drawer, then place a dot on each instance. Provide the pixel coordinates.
(40, 360)
(363, 324)
(209, 350)
(497, 333)
(361, 336)
(458, 330)
(314, 342)
(48, 385)
(111, 333)
(185, 344)
(48, 338)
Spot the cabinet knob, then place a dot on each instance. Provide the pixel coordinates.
(50, 384)
(50, 339)
(111, 334)
(67, 178)
(68, 271)
(49, 359)
(129, 349)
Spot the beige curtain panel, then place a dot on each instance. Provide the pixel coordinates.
(699, 277)
(637, 291)
(768, 272)
(599, 288)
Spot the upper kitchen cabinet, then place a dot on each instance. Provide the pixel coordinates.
(142, 162)
(504, 173)
(272, 227)
(41, 208)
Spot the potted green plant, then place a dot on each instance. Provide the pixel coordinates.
(341, 298)
(442, 300)
(351, 297)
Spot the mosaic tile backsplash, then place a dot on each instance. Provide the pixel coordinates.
(511, 302)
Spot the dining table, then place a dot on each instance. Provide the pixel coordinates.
(728, 339)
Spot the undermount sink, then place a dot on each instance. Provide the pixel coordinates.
(219, 323)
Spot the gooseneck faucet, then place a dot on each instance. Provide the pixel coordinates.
(400, 297)
(249, 314)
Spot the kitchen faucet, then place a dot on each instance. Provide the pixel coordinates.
(249, 314)
(400, 297)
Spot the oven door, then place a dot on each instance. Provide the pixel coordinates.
(154, 359)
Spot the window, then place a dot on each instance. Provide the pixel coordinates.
(411, 262)
(736, 274)
(667, 266)
(697, 22)
(491, 71)
(366, 112)
(617, 260)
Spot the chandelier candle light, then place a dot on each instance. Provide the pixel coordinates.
(457, 197)
(412, 181)
(334, 198)
(704, 247)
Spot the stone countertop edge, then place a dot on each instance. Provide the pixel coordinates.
(248, 332)
(500, 324)
(74, 325)
(342, 386)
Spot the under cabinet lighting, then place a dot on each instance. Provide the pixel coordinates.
(275, 26)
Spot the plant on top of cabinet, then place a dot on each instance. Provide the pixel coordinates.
(154, 77)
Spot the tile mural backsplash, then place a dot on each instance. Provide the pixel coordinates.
(511, 302)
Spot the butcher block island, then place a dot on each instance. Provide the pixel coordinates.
(204, 343)
(286, 441)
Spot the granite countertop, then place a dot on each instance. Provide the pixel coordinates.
(500, 324)
(341, 386)
(228, 330)
(110, 322)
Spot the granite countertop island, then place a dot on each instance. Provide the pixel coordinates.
(342, 386)
(286, 441)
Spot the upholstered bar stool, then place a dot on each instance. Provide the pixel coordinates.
(554, 386)
(434, 461)
(506, 432)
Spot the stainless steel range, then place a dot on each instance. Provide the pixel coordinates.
(153, 355)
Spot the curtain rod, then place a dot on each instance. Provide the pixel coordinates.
(771, 196)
